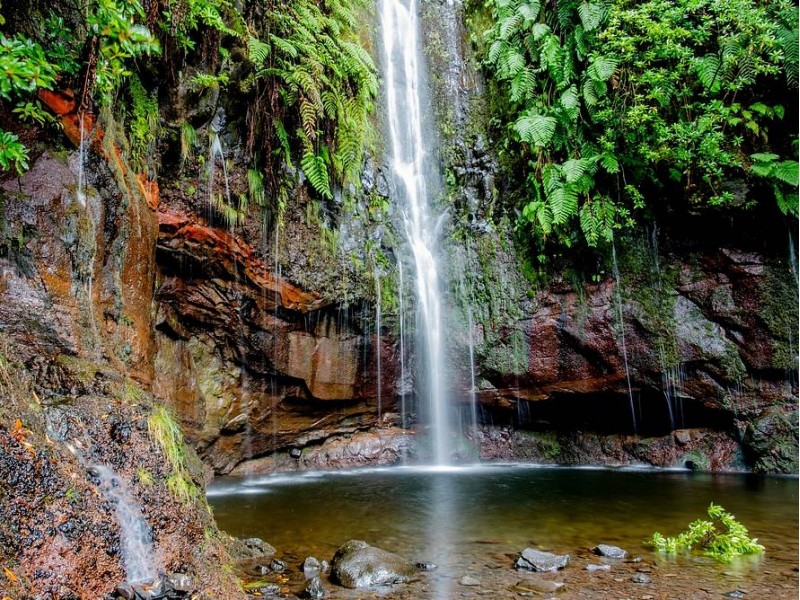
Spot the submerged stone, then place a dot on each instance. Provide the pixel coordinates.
(609, 551)
(542, 562)
(537, 586)
(594, 568)
(641, 578)
(468, 580)
(358, 565)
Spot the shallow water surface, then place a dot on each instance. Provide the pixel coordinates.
(474, 520)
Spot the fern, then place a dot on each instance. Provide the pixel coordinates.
(535, 129)
(316, 170)
(326, 81)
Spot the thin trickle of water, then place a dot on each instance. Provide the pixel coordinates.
(793, 258)
(378, 337)
(137, 547)
(473, 398)
(216, 152)
(81, 162)
(618, 298)
(402, 321)
(403, 79)
(672, 383)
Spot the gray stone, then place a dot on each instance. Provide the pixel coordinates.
(641, 578)
(314, 589)
(424, 566)
(258, 547)
(358, 565)
(736, 594)
(609, 551)
(469, 581)
(180, 583)
(542, 562)
(277, 566)
(125, 591)
(594, 568)
(537, 586)
(311, 567)
(270, 589)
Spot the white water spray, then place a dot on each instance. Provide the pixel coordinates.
(134, 533)
(403, 78)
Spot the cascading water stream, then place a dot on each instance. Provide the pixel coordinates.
(134, 534)
(81, 162)
(402, 74)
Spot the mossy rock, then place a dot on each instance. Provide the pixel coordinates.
(771, 442)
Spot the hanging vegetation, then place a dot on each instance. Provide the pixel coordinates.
(316, 83)
(607, 106)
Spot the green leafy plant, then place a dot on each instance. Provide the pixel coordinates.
(324, 81)
(783, 175)
(606, 105)
(120, 38)
(722, 537)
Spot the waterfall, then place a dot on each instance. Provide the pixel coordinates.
(402, 319)
(414, 185)
(134, 534)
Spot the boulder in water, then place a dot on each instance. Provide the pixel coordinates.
(358, 565)
(542, 562)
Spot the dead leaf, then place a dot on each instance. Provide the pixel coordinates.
(9, 573)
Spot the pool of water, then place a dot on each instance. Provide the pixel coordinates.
(476, 518)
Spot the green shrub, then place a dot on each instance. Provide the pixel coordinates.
(722, 538)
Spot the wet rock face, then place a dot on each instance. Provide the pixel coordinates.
(252, 363)
(706, 340)
(76, 340)
(78, 279)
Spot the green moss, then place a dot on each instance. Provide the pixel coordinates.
(779, 312)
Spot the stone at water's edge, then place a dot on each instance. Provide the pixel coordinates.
(609, 551)
(314, 589)
(357, 565)
(542, 562)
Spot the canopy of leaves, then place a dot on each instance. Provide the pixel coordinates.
(604, 103)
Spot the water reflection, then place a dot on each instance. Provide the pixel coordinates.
(461, 518)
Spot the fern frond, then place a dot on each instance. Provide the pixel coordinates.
(257, 51)
(602, 68)
(563, 202)
(316, 171)
(535, 129)
(787, 172)
(591, 15)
